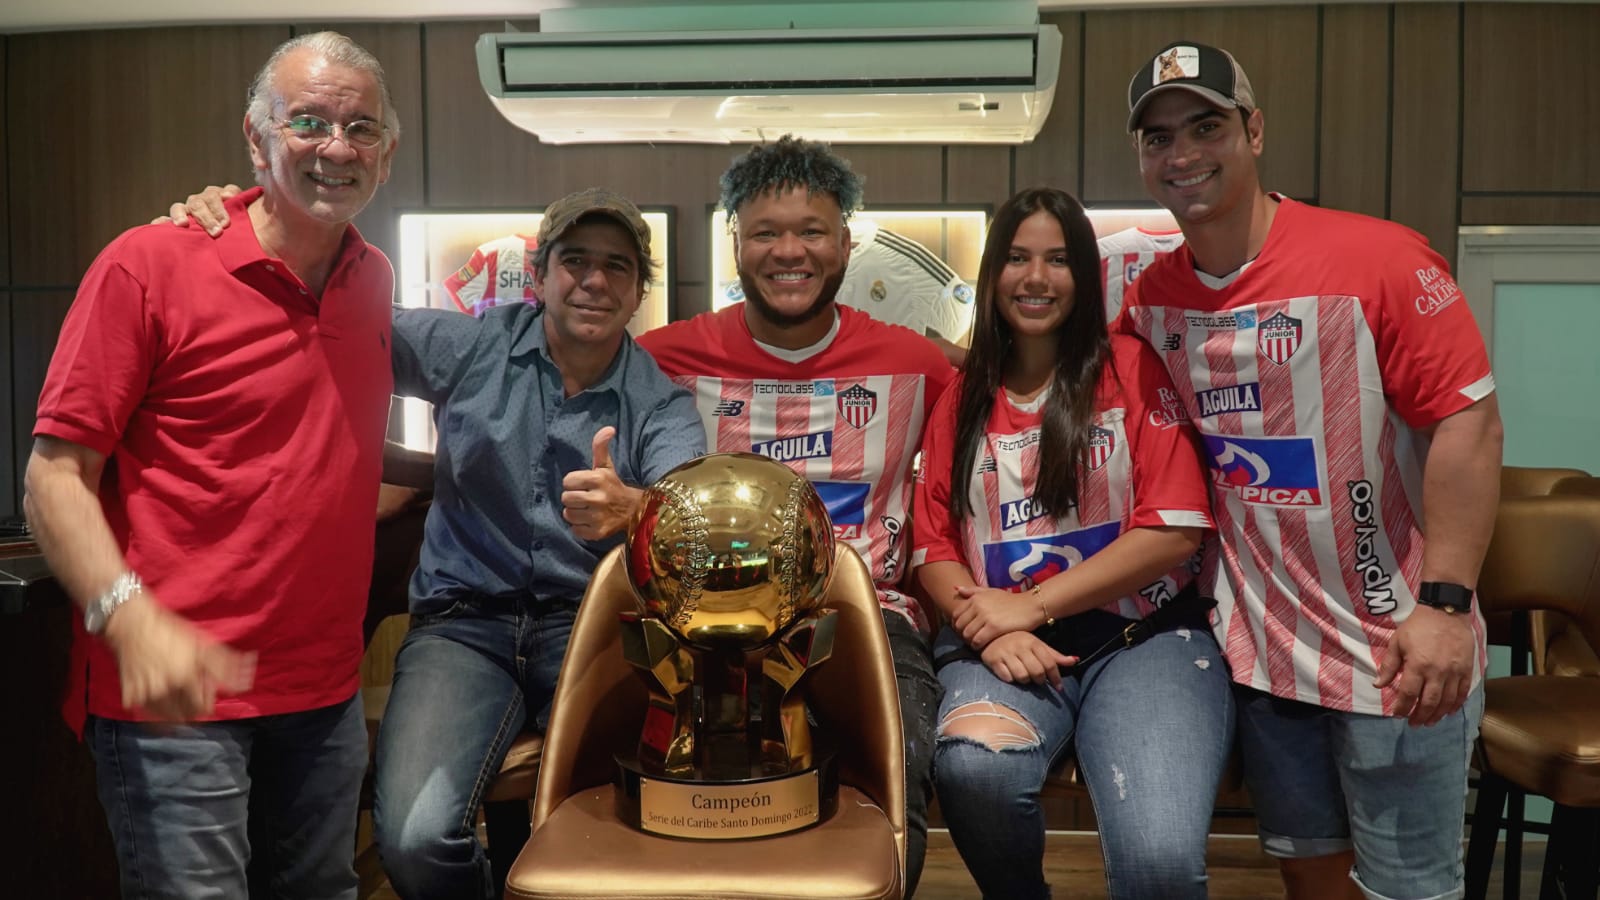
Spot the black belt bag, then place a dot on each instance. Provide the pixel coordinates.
(1095, 634)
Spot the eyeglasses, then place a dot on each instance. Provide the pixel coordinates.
(362, 133)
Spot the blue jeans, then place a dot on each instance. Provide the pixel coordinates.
(919, 691)
(1152, 724)
(259, 807)
(1325, 781)
(465, 682)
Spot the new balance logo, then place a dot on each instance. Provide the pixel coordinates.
(1172, 341)
(729, 408)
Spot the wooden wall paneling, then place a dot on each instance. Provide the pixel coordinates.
(1277, 46)
(36, 318)
(5, 208)
(1054, 158)
(154, 114)
(1530, 210)
(1532, 97)
(476, 159)
(1354, 133)
(898, 174)
(977, 174)
(474, 156)
(1425, 154)
(10, 471)
(399, 48)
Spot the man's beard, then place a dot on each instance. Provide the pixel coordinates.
(758, 301)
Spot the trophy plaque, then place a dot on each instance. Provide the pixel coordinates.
(729, 556)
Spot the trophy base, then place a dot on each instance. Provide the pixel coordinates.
(725, 810)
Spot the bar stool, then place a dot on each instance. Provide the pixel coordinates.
(1541, 733)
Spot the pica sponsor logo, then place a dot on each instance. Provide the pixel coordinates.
(1025, 562)
(1266, 471)
(847, 506)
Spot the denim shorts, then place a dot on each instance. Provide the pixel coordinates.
(1325, 781)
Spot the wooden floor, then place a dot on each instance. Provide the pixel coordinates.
(1238, 868)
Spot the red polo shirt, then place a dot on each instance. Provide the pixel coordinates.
(243, 420)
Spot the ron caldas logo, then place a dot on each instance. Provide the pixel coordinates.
(1278, 337)
(1025, 562)
(1102, 443)
(847, 506)
(857, 404)
(1277, 471)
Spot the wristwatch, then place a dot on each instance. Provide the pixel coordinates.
(99, 610)
(1443, 595)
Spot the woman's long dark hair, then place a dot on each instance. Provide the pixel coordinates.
(1082, 349)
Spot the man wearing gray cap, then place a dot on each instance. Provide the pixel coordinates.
(547, 419)
(1344, 398)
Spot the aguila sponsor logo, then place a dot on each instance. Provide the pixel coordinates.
(802, 446)
(1231, 399)
(1019, 511)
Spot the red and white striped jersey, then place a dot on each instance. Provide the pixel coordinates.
(1142, 470)
(850, 418)
(500, 271)
(1125, 254)
(1311, 376)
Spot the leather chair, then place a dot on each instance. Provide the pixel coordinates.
(1558, 648)
(1533, 481)
(1516, 630)
(1525, 633)
(580, 849)
(1541, 733)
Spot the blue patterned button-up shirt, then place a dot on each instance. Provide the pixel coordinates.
(508, 435)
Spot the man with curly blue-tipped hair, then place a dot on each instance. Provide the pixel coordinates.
(833, 393)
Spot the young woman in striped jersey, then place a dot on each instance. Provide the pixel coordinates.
(1061, 501)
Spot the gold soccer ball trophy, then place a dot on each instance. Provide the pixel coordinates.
(729, 556)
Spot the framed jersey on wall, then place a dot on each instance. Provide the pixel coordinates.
(471, 261)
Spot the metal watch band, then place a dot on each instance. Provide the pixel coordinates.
(99, 610)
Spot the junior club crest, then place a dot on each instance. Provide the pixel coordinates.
(857, 405)
(1278, 337)
(1102, 443)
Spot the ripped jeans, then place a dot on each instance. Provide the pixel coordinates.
(1153, 726)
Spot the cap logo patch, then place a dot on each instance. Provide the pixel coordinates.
(1179, 62)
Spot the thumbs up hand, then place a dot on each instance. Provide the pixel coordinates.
(602, 447)
(594, 501)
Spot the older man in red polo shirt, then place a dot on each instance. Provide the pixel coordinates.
(205, 467)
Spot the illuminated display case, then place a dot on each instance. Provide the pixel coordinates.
(434, 245)
(1110, 220)
(954, 234)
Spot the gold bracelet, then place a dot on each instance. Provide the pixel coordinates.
(1048, 619)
